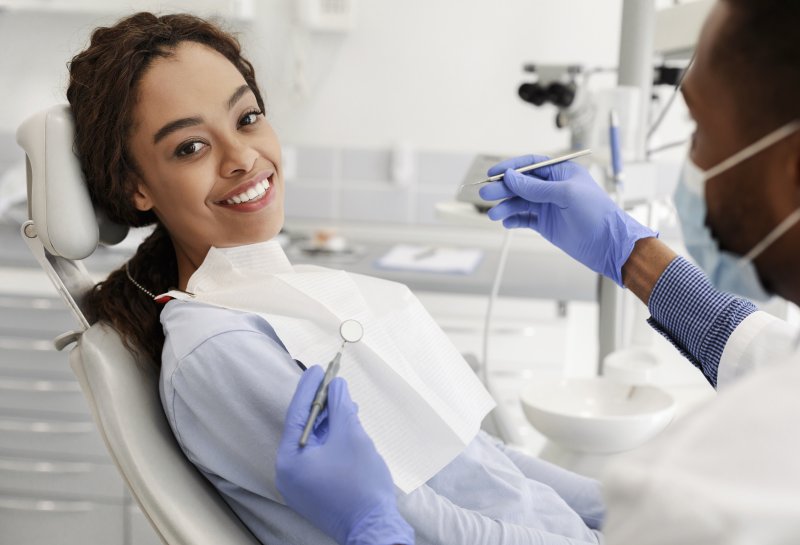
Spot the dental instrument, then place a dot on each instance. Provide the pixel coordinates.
(616, 151)
(351, 331)
(549, 162)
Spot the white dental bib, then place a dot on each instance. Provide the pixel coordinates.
(418, 399)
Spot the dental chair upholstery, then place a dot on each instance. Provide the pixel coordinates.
(182, 507)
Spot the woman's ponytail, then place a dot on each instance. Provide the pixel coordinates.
(132, 312)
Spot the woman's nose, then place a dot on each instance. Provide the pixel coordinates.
(237, 157)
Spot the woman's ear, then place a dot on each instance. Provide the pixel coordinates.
(141, 194)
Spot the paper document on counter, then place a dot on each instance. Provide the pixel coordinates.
(409, 257)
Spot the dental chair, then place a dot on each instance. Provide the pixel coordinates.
(182, 507)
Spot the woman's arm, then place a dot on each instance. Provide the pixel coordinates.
(337, 480)
(582, 494)
(227, 399)
(339, 476)
(230, 396)
(225, 396)
(437, 520)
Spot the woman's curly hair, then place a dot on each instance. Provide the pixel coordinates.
(102, 93)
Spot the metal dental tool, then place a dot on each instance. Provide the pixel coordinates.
(351, 331)
(553, 161)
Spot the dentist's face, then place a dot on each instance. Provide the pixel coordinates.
(746, 202)
(734, 195)
(209, 164)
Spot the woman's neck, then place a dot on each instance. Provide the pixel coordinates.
(187, 265)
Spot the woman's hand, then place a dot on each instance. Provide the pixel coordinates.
(338, 481)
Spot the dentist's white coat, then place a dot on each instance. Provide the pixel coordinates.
(730, 472)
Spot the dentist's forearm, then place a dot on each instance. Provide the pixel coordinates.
(645, 266)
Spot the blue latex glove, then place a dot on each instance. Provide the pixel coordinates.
(338, 481)
(565, 205)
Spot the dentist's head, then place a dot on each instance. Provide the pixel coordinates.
(170, 129)
(742, 181)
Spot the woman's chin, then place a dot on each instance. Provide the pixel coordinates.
(253, 238)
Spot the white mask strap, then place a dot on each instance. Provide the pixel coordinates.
(753, 149)
(774, 235)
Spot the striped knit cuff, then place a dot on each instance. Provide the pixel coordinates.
(694, 316)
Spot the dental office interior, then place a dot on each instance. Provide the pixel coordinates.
(384, 110)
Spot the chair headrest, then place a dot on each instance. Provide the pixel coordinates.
(58, 198)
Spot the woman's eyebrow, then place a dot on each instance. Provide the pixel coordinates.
(237, 94)
(173, 126)
(182, 123)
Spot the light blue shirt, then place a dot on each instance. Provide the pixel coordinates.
(226, 382)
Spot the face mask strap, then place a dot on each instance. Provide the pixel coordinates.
(753, 149)
(774, 235)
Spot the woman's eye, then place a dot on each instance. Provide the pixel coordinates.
(250, 118)
(190, 148)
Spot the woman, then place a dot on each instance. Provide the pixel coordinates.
(170, 130)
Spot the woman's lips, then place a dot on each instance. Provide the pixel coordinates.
(252, 184)
(253, 204)
(251, 194)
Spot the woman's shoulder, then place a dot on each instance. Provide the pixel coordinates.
(201, 316)
(188, 325)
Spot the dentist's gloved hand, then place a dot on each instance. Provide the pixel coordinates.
(565, 205)
(338, 481)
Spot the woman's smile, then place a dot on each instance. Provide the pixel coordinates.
(210, 163)
(250, 196)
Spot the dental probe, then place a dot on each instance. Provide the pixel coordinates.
(351, 331)
(547, 163)
(322, 395)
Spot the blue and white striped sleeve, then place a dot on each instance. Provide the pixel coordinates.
(694, 316)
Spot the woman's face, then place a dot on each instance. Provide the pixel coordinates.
(209, 163)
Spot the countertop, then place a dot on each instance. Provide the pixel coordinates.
(535, 269)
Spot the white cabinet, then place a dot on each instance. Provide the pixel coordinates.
(43, 475)
(45, 521)
(141, 533)
(57, 483)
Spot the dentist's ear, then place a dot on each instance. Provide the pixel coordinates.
(141, 194)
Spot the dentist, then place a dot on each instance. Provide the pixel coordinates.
(729, 473)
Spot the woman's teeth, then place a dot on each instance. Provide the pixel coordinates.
(252, 194)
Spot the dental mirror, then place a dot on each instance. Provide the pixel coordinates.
(351, 331)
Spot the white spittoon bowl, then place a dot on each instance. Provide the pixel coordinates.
(597, 415)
